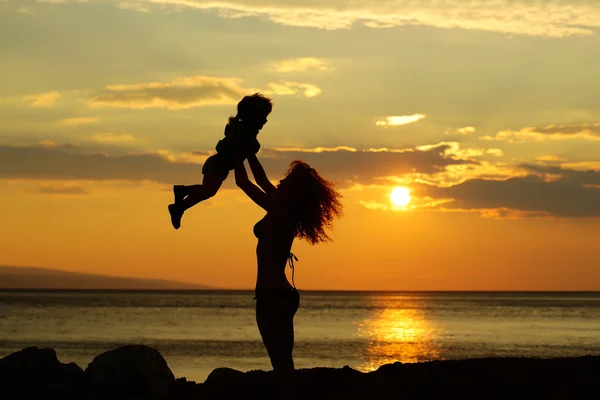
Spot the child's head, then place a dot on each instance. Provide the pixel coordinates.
(255, 109)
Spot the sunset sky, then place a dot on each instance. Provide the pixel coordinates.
(488, 112)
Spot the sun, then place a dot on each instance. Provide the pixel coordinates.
(400, 196)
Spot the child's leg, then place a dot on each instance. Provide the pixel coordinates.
(181, 191)
(194, 194)
(197, 193)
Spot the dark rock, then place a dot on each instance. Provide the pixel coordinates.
(315, 383)
(494, 378)
(223, 375)
(36, 373)
(140, 372)
(129, 372)
(184, 389)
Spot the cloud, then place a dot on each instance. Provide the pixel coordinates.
(588, 176)
(453, 149)
(76, 121)
(181, 93)
(46, 162)
(302, 64)
(437, 177)
(365, 166)
(64, 163)
(529, 194)
(113, 137)
(460, 131)
(133, 5)
(287, 88)
(497, 190)
(315, 149)
(188, 92)
(42, 100)
(581, 165)
(416, 203)
(558, 18)
(62, 190)
(535, 191)
(550, 158)
(495, 152)
(550, 132)
(396, 120)
(373, 205)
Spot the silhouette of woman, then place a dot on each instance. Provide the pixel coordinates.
(303, 205)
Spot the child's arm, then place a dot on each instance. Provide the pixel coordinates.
(260, 176)
(251, 190)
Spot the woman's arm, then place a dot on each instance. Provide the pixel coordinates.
(260, 175)
(251, 190)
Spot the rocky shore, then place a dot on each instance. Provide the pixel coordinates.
(140, 372)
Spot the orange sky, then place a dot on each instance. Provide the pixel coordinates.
(125, 231)
(492, 122)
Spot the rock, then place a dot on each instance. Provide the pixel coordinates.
(494, 378)
(223, 374)
(314, 383)
(37, 373)
(129, 372)
(185, 389)
(140, 372)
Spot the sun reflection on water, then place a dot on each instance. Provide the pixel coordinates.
(396, 334)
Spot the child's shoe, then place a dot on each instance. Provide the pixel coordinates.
(176, 214)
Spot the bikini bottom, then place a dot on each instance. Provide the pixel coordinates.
(284, 302)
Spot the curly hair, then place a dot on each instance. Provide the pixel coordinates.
(252, 105)
(312, 201)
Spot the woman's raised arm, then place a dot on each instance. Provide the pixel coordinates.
(251, 190)
(260, 176)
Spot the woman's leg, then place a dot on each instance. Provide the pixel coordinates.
(275, 319)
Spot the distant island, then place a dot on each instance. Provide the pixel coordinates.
(47, 278)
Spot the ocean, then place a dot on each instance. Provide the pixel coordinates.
(198, 331)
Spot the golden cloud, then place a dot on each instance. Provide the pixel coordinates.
(550, 158)
(42, 100)
(495, 152)
(460, 131)
(314, 150)
(133, 5)
(342, 164)
(188, 92)
(396, 120)
(582, 165)
(560, 18)
(453, 149)
(302, 64)
(287, 88)
(181, 93)
(550, 132)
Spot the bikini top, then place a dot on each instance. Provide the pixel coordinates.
(259, 231)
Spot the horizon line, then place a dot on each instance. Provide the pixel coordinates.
(300, 290)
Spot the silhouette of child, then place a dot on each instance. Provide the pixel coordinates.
(239, 142)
